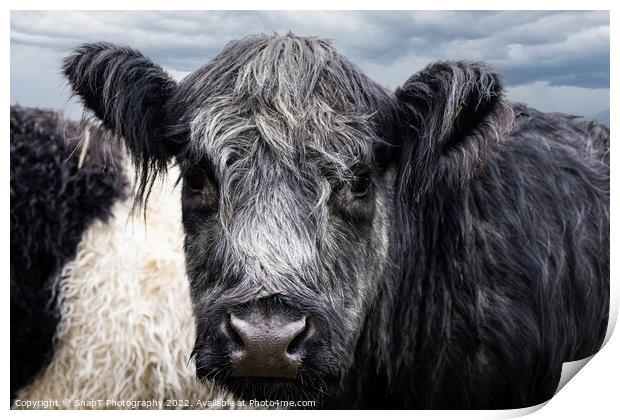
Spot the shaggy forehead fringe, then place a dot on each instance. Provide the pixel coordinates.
(295, 99)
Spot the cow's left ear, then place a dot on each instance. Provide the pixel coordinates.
(451, 114)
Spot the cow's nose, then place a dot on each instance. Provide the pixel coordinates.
(272, 345)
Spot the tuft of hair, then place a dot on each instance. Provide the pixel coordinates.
(290, 99)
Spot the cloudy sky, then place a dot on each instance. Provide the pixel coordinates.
(555, 61)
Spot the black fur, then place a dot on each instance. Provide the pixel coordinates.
(508, 275)
(52, 203)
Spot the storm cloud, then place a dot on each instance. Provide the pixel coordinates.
(556, 61)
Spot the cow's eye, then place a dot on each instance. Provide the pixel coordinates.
(360, 186)
(196, 181)
(202, 190)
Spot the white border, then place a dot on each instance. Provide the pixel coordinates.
(592, 393)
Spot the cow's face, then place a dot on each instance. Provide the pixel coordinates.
(287, 205)
(284, 259)
(294, 167)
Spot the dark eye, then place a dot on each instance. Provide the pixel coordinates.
(360, 185)
(196, 180)
(202, 192)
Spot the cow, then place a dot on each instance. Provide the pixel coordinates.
(436, 246)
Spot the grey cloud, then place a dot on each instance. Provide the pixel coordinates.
(553, 49)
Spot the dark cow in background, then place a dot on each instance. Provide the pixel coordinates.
(98, 313)
(54, 198)
(435, 247)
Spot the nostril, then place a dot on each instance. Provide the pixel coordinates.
(295, 347)
(230, 332)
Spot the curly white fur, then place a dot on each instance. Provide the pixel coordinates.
(127, 327)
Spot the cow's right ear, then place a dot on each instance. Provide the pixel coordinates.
(451, 114)
(128, 93)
